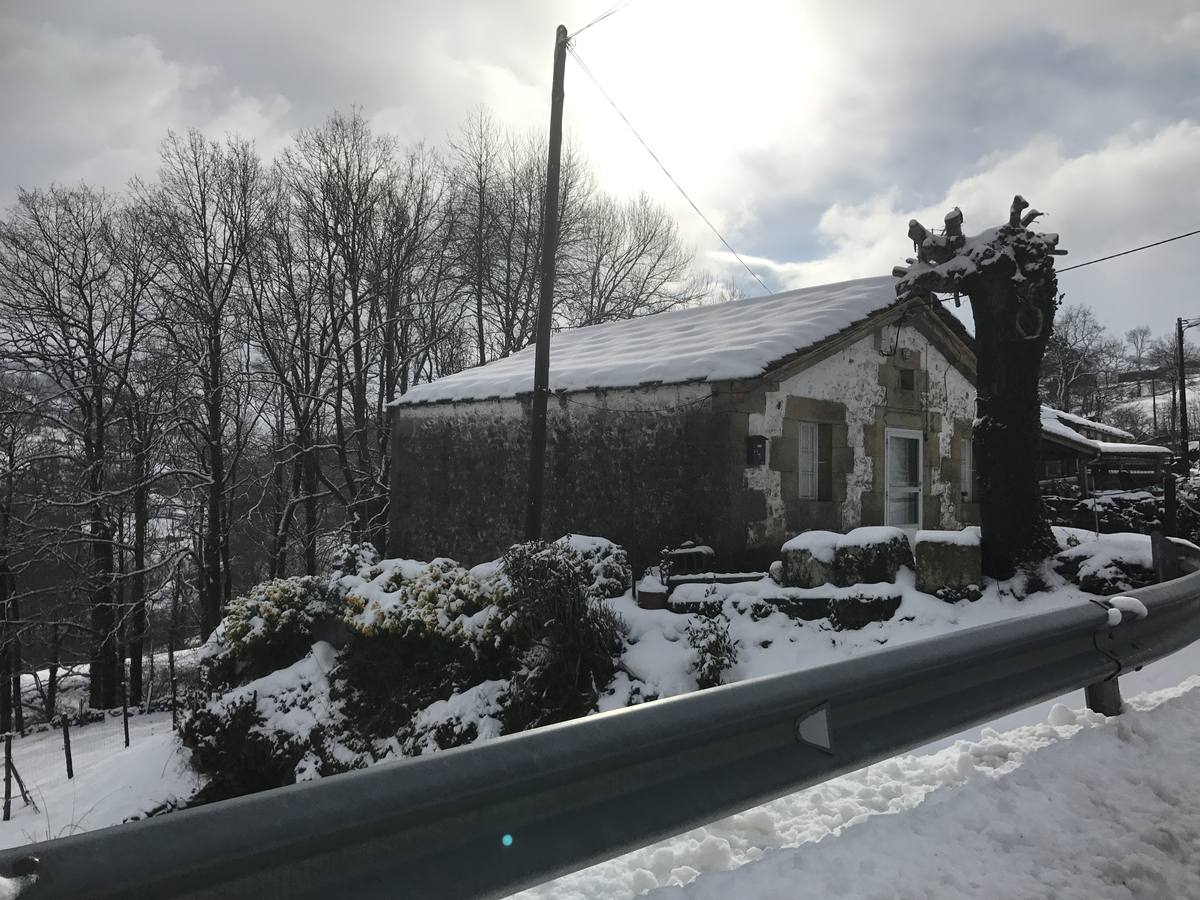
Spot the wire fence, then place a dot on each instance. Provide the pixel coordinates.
(57, 741)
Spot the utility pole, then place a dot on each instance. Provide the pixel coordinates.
(541, 360)
(1183, 423)
(1154, 403)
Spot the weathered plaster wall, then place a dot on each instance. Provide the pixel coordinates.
(646, 467)
(858, 391)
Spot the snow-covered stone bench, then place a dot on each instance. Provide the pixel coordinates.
(949, 564)
(826, 559)
(845, 608)
(870, 555)
(808, 559)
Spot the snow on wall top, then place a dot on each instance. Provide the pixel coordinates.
(739, 339)
(1054, 427)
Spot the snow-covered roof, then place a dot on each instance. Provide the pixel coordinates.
(738, 339)
(1056, 425)
(1108, 448)
(1098, 427)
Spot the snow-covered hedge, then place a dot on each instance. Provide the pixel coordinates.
(442, 598)
(611, 573)
(272, 731)
(418, 632)
(270, 626)
(568, 637)
(534, 624)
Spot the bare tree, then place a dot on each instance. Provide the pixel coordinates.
(1072, 360)
(341, 177)
(629, 262)
(71, 307)
(296, 333)
(1139, 345)
(476, 151)
(209, 210)
(194, 383)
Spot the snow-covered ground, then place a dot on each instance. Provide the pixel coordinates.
(1162, 400)
(112, 782)
(657, 662)
(1108, 813)
(1050, 801)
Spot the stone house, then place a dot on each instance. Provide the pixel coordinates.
(736, 425)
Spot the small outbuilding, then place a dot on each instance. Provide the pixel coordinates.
(1106, 456)
(736, 425)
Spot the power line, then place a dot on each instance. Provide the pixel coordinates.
(654, 156)
(615, 8)
(1092, 262)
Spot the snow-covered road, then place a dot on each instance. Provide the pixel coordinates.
(1062, 804)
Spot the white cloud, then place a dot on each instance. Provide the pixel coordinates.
(805, 131)
(97, 109)
(1131, 191)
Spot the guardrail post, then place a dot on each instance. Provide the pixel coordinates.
(1164, 557)
(1170, 505)
(1104, 697)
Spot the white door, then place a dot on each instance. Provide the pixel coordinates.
(902, 471)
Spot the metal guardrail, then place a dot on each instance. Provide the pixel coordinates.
(487, 820)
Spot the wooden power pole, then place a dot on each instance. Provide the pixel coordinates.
(541, 362)
(1183, 422)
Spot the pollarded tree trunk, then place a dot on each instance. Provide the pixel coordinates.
(1008, 432)
(1008, 274)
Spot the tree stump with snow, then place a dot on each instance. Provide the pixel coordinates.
(1008, 275)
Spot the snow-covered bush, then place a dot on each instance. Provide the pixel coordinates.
(418, 633)
(1109, 565)
(609, 564)
(434, 656)
(269, 627)
(715, 650)
(270, 732)
(442, 598)
(352, 559)
(462, 718)
(568, 637)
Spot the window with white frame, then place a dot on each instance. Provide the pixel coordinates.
(816, 461)
(808, 461)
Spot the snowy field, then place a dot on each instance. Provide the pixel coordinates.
(112, 783)
(1061, 803)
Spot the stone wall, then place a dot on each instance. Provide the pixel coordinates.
(646, 467)
(654, 466)
(858, 389)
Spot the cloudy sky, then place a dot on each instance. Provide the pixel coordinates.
(809, 131)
